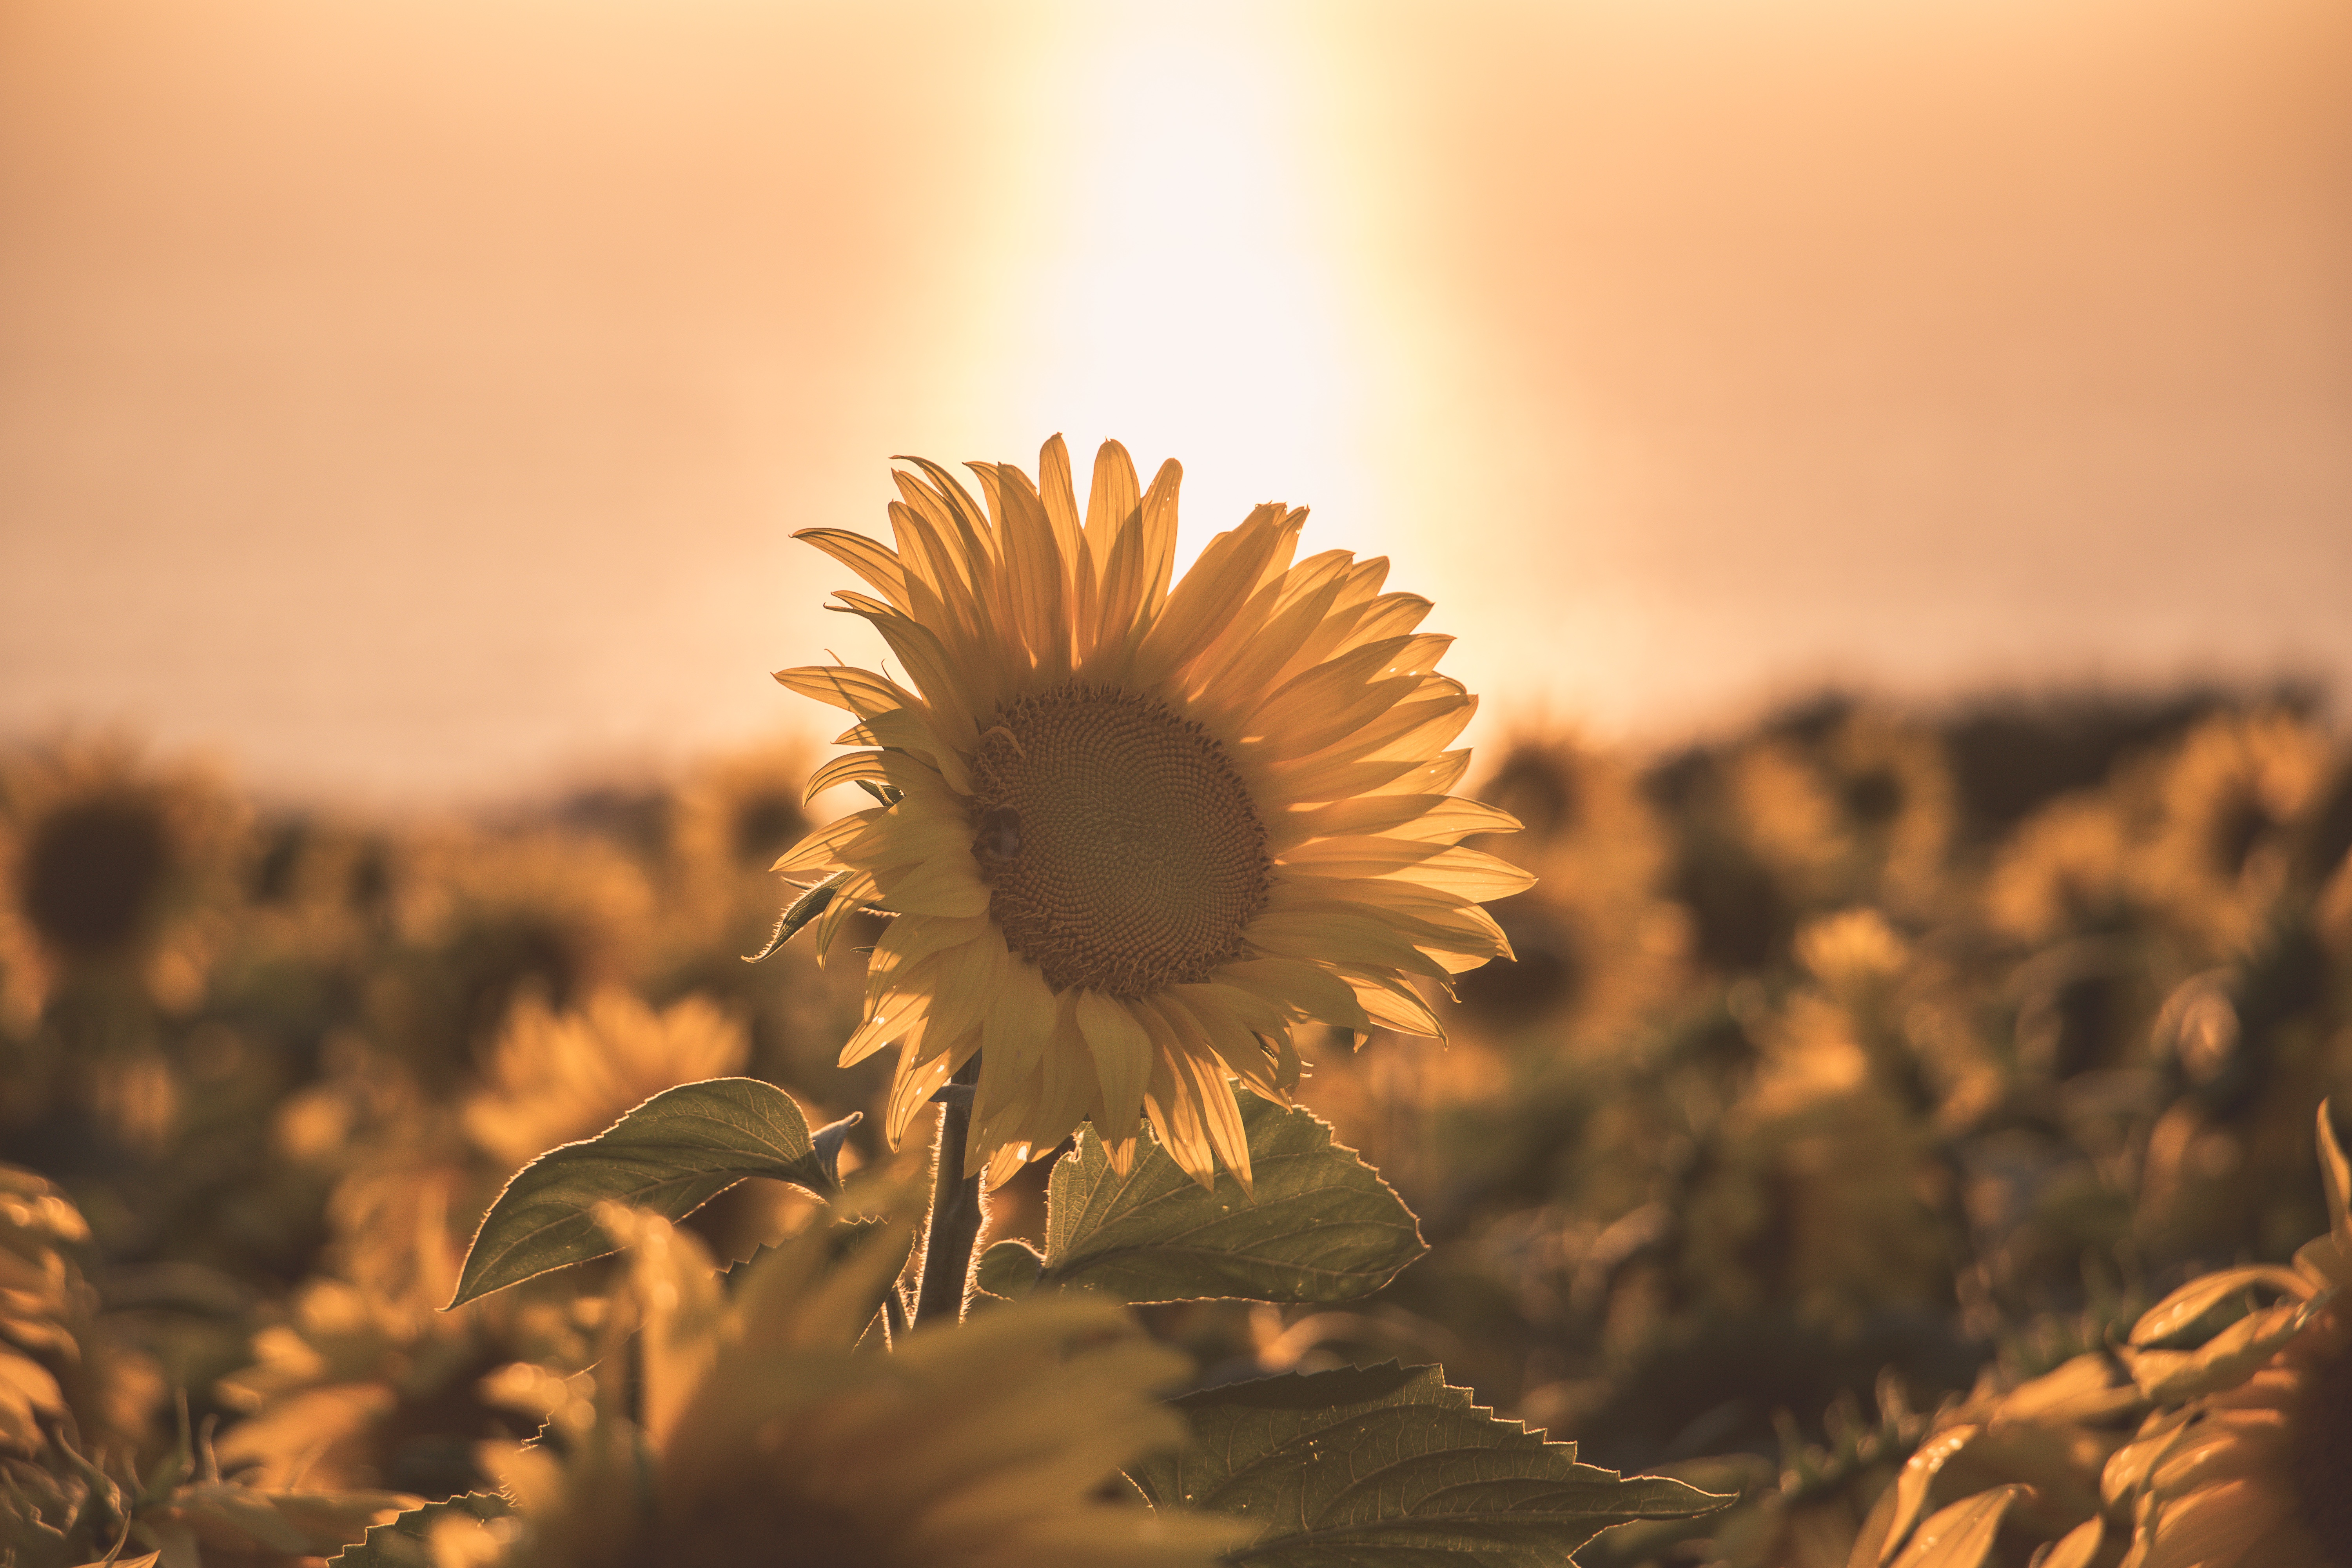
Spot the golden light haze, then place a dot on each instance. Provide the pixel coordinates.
(413, 401)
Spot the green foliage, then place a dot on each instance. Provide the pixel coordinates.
(407, 1541)
(1391, 1466)
(1320, 1226)
(672, 1154)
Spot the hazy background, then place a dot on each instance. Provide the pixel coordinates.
(410, 401)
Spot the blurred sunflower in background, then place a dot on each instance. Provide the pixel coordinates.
(109, 866)
(484, 920)
(1134, 833)
(1594, 943)
(367, 1379)
(2226, 811)
(761, 1434)
(2248, 1458)
(728, 822)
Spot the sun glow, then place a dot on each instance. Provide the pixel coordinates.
(1190, 299)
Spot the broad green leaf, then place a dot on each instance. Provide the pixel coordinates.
(1388, 1467)
(1322, 1225)
(672, 1154)
(407, 1541)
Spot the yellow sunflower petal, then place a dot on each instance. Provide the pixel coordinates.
(1254, 651)
(1068, 1086)
(870, 559)
(1221, 1117)
(1035, 578)
(1360, 583)
(909, 938)
(861, 691)
(906, 732)
(1216, 591)
(1061, 503)
(1429, 818)
(1333, 700)
(1299, 990)
(1469, 873)
(817, 851)
(1342, 936)
(943, 885)
(901, 837)
(1205, 1028)
(1122, 1058)
(968, 979)
(1175, 1118)
(890, 1019)
(919, 1077)
(1420, 723)
(1388, 1002)
(845, 769)
(1112, 498)
(935, 672)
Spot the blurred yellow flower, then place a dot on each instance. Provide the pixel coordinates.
(2253, 1469)
(1134, 834)
(557, 1076)
(488, 920)
(355, 1388)
(2227, 805)
(108, 865)
(2065, 869)
(764, 1435)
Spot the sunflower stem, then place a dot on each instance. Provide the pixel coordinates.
(954, 1228)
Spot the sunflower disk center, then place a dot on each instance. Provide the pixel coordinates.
(1122, 851)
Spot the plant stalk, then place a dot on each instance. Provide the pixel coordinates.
(954, 1228)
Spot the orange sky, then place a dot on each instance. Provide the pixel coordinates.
(412, 400)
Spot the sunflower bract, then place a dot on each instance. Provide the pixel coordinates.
(1143, 828)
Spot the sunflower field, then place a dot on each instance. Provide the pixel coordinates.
(1192, 1112)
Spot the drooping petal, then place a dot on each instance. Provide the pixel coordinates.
(869, 558)
(819, 849)
(861, 691)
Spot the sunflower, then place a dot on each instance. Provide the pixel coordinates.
(485, 921)
(2251, 1468)
(762, 1436)
(2228, 806)
(1135, 834)
(111, 866)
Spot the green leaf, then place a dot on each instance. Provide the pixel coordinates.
(672, 1154)
(1322, 1225)
(406, 1542)
(1010, 1269)
(1388, 1467)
